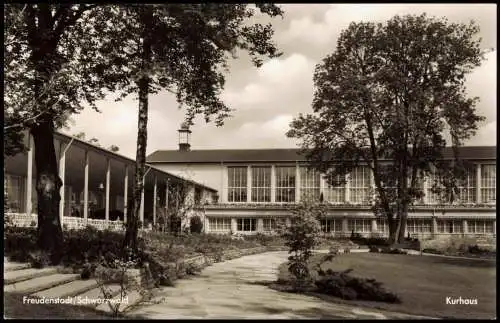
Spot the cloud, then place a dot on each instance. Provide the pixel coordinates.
(273, 82)
(266, 99)
(338, 16)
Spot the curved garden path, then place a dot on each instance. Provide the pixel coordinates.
(234, 289)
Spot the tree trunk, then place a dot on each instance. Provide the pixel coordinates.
(142, 133)
(48, 183)
(393, 228)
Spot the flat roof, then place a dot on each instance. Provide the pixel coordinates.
(283, 155)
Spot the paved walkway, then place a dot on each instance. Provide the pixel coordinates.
(231, 290)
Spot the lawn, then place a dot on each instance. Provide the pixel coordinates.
(422, 282)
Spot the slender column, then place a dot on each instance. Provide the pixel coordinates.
(125, 195)
(434, 225)
(86, 188)
(154, 202)
(260, 225)
(478, 183)
(426, 190)
(347, 188)
(234, 225)
(322, 187)
(465, 225)
(142, 208)
(374, 225)
(345, 226)
(108, 177)
(273, 184)
(297, 183)
(249, 184)
(166, 195)
(29, 178)
(62, 170)
(495, 227)
(224, 184)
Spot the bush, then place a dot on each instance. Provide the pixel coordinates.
(301, 237)
(196, 225)
(340, 284)
(19, 243)
(39, 259)
(475, 249)
(92, 245)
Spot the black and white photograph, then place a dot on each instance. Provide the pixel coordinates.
(250, 161)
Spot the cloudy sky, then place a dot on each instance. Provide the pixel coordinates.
(265, 100)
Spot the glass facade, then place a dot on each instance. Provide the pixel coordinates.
(359, 185)
(219, 224)
(261, 184)
(247, 225)
(237, 184)
(488, 183)
(309, 184)
(285, 184)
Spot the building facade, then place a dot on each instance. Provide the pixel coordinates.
(257, 187)
(97, 187)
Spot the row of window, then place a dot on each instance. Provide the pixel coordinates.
(359, 185)
(243, 225)
(360, 225)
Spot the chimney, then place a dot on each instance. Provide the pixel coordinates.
(184, 133)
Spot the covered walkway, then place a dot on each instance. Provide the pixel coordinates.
(97, 186)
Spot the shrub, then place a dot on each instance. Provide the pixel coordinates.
(196, 225)
(19, 243)
(39, 259)
(340, 284)
(301, 237)
(91, 245)
(475, 249)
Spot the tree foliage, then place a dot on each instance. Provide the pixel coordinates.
(387, 98)
(183, 49)
(301, 237)
(54, 64)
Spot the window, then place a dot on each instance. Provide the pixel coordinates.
(14, 187)
(261, 184)
(360, 185)
(382, 226)
(488, 183)
(450, 226)
(247, 225)
(269, 225)
(480, 226)
(335, 194)
(309, 183)
(285, 184)
(237, 184)
(467, 188)
(419, 225)
(331, 225)
(219, 224)
(359, 225)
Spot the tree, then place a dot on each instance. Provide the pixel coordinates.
(386, 98)
(182, 48)
(95, 141)
(54, 62)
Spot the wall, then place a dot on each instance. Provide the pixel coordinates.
(206, 174)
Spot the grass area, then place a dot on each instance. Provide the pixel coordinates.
(422, 282)
(15, 309)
